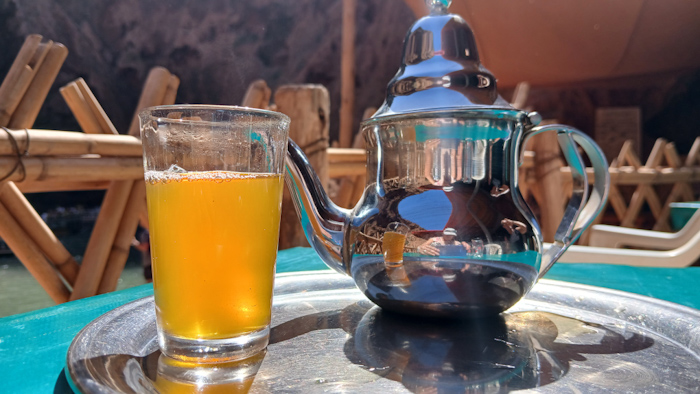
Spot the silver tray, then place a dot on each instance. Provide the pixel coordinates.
(326, 337)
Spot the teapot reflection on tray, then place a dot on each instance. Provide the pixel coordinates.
(442, 156)
(520, 350)
(453, 356)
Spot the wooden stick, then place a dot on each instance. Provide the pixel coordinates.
(528, 159)
(101, 240)
(617, 201)
(79, 107)
(28, 109)
(694, 154)
(23, 82)
(18, 78)
(74, 169)
(20, 91)
(143, 219)
(644, 192)
(136, 197)
(106, 125)
(680, 191)
(548, 163)
(359, 188)
(29, 254)
(308, 107)
(69, 143)
(60, 186)
(520, 95)
(346, 169)
(122, 241)
(347, 74)
(153, 93)
(24, 56)
(171, 92)
(130, 162)
(45, 64)
(627, 156)
(632, 176)
(149, 97)
(348, 155)
(344, 197)
(39, 55)
(257, 95)
(359, 181)
(33, 224)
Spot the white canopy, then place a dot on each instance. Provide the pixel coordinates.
(548, 42)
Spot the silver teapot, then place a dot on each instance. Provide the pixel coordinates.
(442, 228)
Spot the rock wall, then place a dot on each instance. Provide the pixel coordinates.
(216, 47)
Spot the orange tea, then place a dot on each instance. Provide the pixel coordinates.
(169, 386)
(213, 245)
(393, 244)
(176, 376)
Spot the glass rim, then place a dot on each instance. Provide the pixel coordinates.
(213, 107)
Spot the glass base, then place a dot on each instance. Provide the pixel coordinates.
(214, 350)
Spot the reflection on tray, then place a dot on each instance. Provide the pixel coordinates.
(511, 351)
(157, 373)
(175, 376)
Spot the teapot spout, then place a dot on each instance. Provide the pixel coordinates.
(323, 221)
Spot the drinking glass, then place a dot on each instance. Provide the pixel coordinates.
(214, 189)
(393, 243)
(477, 247)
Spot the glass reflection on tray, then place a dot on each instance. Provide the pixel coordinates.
(176, 376)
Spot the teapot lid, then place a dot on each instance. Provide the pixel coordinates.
(440, 69)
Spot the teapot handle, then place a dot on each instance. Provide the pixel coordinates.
(583, 207)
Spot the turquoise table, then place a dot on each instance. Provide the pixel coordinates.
(681, 212)
(33, 345)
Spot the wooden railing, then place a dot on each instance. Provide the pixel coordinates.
(664, 167)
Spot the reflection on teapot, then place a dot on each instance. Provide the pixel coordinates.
(393, 244)
(442, 165)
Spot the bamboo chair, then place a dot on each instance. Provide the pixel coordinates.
(617, 237)
(124, 204)
(683, 256)
(22, 93)
(53, 157)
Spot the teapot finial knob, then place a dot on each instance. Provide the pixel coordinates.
(438, 7)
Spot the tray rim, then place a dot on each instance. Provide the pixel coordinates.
(280, 292)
